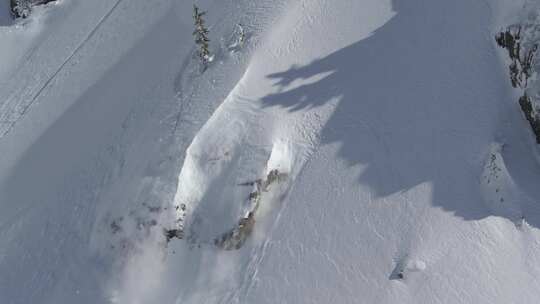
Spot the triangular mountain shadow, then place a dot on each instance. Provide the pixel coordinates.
(416, 104)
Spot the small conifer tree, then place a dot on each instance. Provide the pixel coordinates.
(201, 36)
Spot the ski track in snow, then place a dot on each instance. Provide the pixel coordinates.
(9, 121)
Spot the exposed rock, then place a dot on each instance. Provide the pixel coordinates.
(236, 237)
(173, 233)
(23, 8)
(531, 115)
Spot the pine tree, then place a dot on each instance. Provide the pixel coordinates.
(201, 36)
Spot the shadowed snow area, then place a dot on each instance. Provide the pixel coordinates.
(420, 102)
(347, 151)
(411, 110)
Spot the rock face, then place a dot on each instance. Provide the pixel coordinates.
(521, 42)
(236, 237)
(531, 115)
(23, 8)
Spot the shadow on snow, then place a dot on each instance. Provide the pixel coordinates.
(419, 100)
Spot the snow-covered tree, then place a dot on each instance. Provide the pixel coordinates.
(201, 36)
(238, 38)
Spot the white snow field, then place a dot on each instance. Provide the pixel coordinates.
(346, 151)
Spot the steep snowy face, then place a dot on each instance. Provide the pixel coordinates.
(345, 151)
(404, 150)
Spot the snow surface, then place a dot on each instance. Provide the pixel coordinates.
(407, 173)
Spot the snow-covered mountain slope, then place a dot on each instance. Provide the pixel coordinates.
(348, 151)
